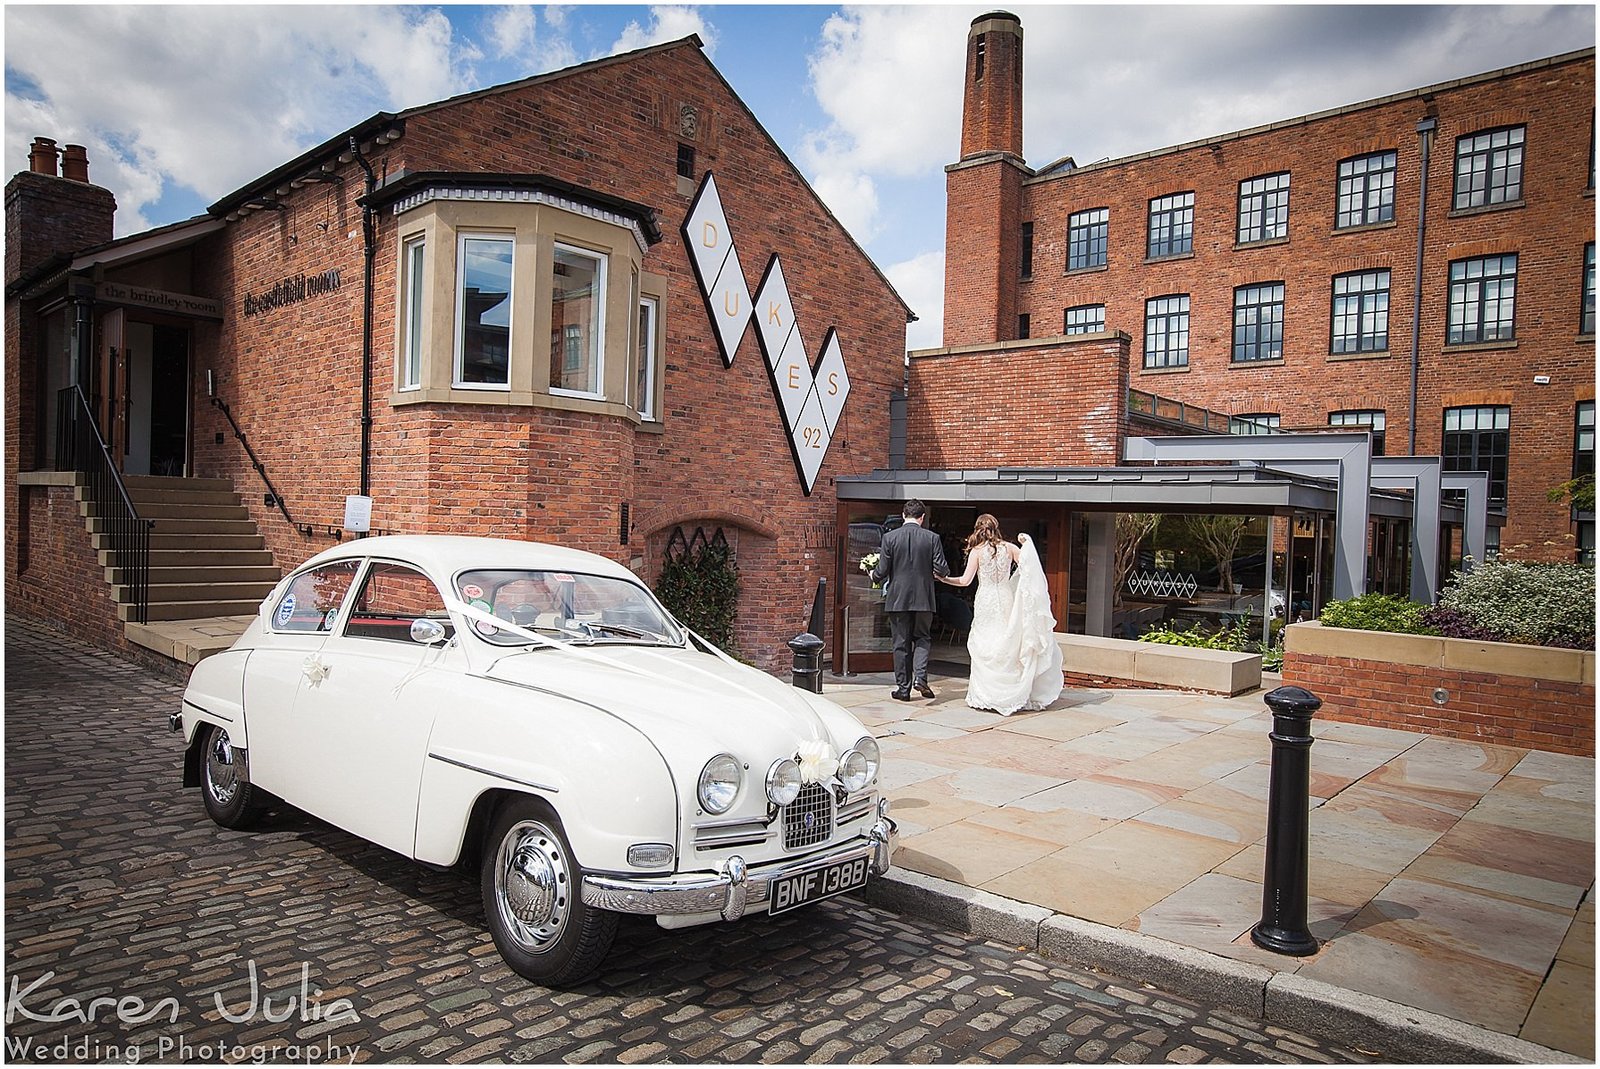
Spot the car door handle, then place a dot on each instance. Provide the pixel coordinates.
(315, 669)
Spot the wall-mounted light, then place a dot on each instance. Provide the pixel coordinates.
(211, 383)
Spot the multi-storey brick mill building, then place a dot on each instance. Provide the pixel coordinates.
(1421, 265)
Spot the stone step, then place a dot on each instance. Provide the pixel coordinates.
(186, 543)
(175, 510)
(172, 526)
(191, 610)
(211, 558)
(144, 496)
(189, 574)
(252, 592)
(168, 482)
(188, 641)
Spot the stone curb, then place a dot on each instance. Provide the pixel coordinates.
(1282, 998)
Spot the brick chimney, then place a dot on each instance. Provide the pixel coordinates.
(50, 214)
(991, 108)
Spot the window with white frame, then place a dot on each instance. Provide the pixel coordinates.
(1171, 230)
(1366, 190)
(413, 264)
(1483, 300)
(577, 321)
(645, 386)
(1166, 331)
(1084, 319)
(1360, 312)
(1264, 208)
(1258, 322)
(483, 311)
(1489, 167)
(1254, 423)
(1371, 419)
(1086, 239)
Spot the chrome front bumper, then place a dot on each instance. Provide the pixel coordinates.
(735, 890)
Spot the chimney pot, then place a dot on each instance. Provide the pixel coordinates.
(42, 156)
(75, 163)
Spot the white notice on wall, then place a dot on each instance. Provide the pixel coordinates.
(358, 513)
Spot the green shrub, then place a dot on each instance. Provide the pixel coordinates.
(700, 586)
(1378, 612)
(1242, 637)
(1522, 601)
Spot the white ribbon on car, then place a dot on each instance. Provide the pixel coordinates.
(817, 761)
(476, 614)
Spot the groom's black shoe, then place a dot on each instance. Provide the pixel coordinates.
(924, 690)
(901, 695)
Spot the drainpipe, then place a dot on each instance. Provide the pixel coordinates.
(1425, 130)
(369, 252)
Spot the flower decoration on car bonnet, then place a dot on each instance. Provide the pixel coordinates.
(818, 761)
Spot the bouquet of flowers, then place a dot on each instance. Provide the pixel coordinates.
(869, 561)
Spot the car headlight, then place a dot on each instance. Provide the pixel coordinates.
(783, 781)
(853, 770)
(719, 784)
(867, 747)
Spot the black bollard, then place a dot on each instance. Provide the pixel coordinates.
(807, 662)
(818, 607)
(1283, 899)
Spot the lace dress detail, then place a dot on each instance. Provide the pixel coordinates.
(1016, 663)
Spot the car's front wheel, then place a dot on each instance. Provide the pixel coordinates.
(531, 899)
(230, 798)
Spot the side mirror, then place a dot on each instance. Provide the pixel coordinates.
(427, 631)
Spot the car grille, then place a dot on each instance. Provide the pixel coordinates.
(808, 819)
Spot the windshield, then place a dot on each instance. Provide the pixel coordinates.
(570, 606)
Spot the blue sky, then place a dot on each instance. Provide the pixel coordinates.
(180, 105)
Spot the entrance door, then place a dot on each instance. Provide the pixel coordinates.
(155, 399)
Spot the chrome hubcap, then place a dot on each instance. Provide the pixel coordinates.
(222, 774)
(533, 886)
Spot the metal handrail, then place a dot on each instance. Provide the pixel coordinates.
(79, 447)
(255, 462)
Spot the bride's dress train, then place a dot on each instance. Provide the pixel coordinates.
(1016, 663)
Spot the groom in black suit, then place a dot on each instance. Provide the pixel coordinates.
(908, 560)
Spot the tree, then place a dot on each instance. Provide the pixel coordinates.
(1578, 492)
(1220, 535)
(1132, 529)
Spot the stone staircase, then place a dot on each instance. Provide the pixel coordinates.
(209, 567)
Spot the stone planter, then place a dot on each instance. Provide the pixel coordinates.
(1496, 692)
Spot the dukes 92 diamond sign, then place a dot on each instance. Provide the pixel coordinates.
(810, 397)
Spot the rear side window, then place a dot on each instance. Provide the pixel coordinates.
(313, 598)
(391, 598)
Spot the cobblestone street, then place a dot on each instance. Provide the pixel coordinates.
(119, 887)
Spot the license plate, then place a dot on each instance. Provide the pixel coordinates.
(818, 883)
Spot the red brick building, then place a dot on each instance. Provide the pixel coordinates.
(1290, 276)
(481, 314)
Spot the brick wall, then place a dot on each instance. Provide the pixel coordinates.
(1040, 404)
(1547, 229)
(62, 583)
(1504, 710)
(47, 216)
(291, 375)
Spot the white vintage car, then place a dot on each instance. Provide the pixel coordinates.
(535, 710)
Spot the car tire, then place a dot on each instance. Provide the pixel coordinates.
(230, 798)
(531, 883)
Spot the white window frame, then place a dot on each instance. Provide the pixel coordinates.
(462, 237)
(414, 325)
(598, 300)
(650, 307)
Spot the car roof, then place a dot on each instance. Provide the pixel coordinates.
(444, 555)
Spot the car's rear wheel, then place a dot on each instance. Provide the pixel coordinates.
(230, 798)
(531, 899)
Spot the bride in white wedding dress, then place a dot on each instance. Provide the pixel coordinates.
(1016, 663)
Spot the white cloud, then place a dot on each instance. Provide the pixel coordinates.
(667, 23)
(511, 30)
(920, 283)
(210, 97)
(853, 199)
